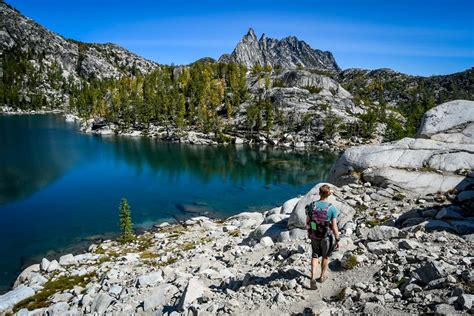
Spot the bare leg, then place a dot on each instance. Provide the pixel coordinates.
(314, 265)
(324, 266)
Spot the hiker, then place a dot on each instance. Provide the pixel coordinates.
(323, 232)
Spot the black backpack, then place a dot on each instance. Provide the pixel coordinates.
(318, 225)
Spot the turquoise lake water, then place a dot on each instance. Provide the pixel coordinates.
(60, 187)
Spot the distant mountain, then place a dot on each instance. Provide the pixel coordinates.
(18, 32)
(289, 53)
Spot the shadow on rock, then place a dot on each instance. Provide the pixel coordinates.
(453, 212)
(250, 279)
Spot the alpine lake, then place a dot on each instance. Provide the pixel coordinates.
(60, 189)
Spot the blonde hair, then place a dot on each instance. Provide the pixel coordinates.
(324, 191)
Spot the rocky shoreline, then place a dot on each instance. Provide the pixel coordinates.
(98, 126)
(6, 110)
(191, 136)
(398, 254)
(402, 250)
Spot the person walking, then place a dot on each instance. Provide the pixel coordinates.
(321, 222)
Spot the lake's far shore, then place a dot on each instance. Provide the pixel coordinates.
(98, 126)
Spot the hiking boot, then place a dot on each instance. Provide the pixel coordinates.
(313, 285)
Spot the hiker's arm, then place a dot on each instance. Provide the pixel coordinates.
(334, 228)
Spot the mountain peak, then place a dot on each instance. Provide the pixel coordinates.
(289, 53)
(251, 33)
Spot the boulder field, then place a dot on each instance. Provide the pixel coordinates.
(406, 216)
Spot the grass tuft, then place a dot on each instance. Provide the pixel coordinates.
(188, 246)
(373, 222)
(149, 255)
(235, 233)
(351, 262)
(41, 298)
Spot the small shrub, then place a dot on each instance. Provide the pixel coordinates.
(360, 207)
(400, 282)
(341, 295)
(144, 242)
(169, 261)
(356, 174)
(205, 240)
(399, 196)
(99, 250)
(313, 89)
(427, 169)
(149, 255)
(373, 222)
(235, 233)
(104, 259)
(277, 83)
(41, 298)
(351, 262)
(188, 246)
(173, 229)
(330, 126)
(324, 107)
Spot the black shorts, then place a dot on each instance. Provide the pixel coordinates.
(323, 247)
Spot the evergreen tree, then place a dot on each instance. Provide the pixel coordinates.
(268, 116)
(126, 225)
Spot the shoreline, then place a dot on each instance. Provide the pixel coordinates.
(55, 253)
(293, 141)
(205, 253)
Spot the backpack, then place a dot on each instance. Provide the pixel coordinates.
(318, 225)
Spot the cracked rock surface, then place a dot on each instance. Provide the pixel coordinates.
(435, 161)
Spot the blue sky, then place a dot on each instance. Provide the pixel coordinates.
(416, 37)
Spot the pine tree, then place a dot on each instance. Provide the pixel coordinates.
(126, 225)
(268, 116)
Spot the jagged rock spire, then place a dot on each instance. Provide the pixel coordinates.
(289, 53)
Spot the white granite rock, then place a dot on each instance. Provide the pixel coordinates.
(9, 299)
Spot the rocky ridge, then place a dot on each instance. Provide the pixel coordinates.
(288, 53)
(77, 59)
(69, 61)
(398, 89)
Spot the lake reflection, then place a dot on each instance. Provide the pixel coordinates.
(58, 186)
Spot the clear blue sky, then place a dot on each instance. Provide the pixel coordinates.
(418, 37)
